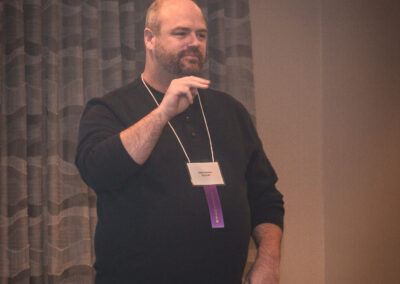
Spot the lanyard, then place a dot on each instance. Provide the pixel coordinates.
(214, 203)
(172, 128)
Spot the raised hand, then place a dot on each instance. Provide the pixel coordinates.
(180, 94)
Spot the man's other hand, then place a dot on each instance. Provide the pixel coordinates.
(263, 271)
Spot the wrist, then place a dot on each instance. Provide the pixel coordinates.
(271, 252)
(162, 115)
(268, 262)
(263, 256)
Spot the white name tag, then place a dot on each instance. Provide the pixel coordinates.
(205, 174)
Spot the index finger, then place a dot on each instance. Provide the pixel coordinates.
(196, 82)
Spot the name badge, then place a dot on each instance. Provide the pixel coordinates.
(205, 174)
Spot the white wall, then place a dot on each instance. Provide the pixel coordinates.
(327, 83)
(361, 130)
(286, 52)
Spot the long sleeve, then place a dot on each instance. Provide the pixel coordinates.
(101, 158)
(265, 201)
(153, 210)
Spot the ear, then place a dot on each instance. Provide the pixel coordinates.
(148, 39)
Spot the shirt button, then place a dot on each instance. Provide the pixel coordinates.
(187, 118)
(194, 134)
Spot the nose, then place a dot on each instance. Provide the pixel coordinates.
(194, 40)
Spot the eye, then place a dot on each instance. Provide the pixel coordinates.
(180, 34)
(202, 36)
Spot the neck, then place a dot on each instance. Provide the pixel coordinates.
(157, 78)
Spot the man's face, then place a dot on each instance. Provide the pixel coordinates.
(180, 46)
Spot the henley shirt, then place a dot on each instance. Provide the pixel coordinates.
(153, 225)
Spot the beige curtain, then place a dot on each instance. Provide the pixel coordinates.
(54, 56)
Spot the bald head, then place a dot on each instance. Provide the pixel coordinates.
(153, 20)
(175, 38)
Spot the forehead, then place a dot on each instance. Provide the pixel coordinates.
(181, 14)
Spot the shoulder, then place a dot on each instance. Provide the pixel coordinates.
(120, 98)
(121, 102)
(121, 95)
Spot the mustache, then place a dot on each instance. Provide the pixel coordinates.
(192, 51)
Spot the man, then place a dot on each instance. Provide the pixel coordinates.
(160, 219)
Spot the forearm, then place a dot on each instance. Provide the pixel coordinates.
(140, 139)
(267, 237)
(265, 269)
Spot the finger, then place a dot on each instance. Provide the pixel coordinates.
(191, 82)
(196, 80)
(192, 79)
(194, 84)
(187, 94)
(194, 91)
(189, 97)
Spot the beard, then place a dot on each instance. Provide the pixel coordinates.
(177, 64)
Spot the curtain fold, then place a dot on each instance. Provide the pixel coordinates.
(54, 57)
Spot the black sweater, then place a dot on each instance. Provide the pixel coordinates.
(153, 225)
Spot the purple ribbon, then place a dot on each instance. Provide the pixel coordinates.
(214, 206)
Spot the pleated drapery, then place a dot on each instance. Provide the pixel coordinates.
(54, 56)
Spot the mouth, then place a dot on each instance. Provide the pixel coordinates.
(191, 59)
(191, 56)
